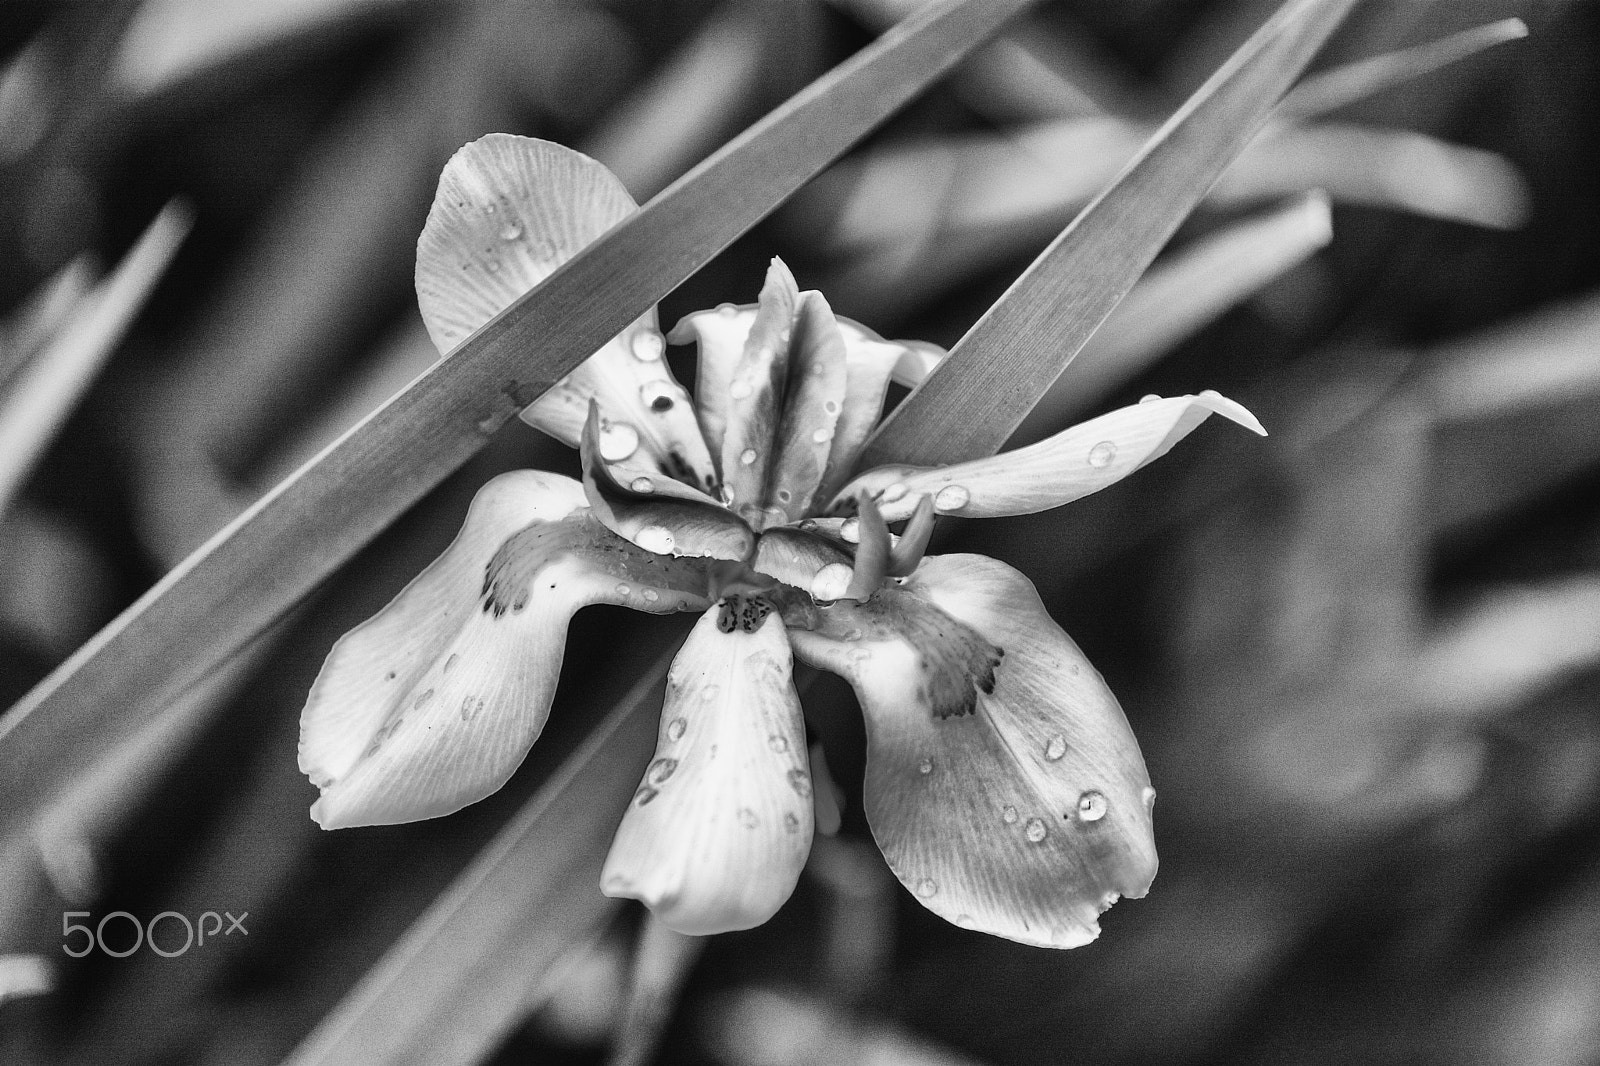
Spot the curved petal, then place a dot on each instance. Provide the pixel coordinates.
(508, 211)
(869, 362)
(796, 556)
(432, 703)
(719, 337)
(716, 836)
(1057, 470)
(813, 401)
(755, 398)
(659, 515)
(1003, 783)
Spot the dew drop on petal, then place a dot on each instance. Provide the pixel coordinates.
(1010, 815)
(708, 693)
(800, 781)
(926, 767)
(660, 770)
(1092, 806)
(1102, 454)
(450, 663)
(618, 440)
(423, 700)
(642, 484)
(655, 539)
(748, 457)
(850, 531)
(831, 582)
(860, 655)
(965, 921)
(777, 743)
(1149, 797)
(791, 822)
(740, 390)
(895, 492)
(1149, 398)
(657, 396)
(492, 266)
(1036, 830)
(676, 728)
(647, 345)
(831, 406)
(927, 888)
(651, 595)
(624, 590)
(951, 498)
(727, 310)
(1056, 748)
(852, 635)
(511, 230)
(747, 818)
(644, 795)
(823, 435)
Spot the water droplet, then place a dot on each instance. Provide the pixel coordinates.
(1149, 398)
(489, 209)
(791, 822)
(965, 921)
(747, 818)
(852, 635)
(708, 693)
(1102, 454)
(657, 396)
(777, 743)
(642, 484)
(895, 492)
(390, 676)
(450, 663)
(741, 390)
(748, 457)
(647, 345)
(727, 310)
(644, 795)
(1092, 806)
(651, 595)
(618, 440)
(492, 265)
(783, 335)
(784, 495)
(1149, 797)
(1056, 748)
(952, 498)
(511, 230)
(1010, 815)
(831, 406)
(927, 887)
(660, 770)
(860, 655)
(831, 582)
(925, 767)
(800, 781)
(676, 728)
(850, 531)
(655, 539)
(1036, 830)
(823, 435)
(624, 589)
(423, 700)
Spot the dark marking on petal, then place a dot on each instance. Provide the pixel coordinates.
(744, 613)
(663, 403)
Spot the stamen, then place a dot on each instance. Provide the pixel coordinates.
(905, 556)
(872, 557)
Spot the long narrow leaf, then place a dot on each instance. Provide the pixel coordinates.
(278, 550)
(1047, 315)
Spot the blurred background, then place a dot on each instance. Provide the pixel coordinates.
(1360, 656)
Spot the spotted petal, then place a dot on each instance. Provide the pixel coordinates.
(433, 702)
(716, 836)
(755, 398)
(1003, 783)
(1057, 470)
(508, 211)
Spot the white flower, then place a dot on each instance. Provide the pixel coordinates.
(1003, 783)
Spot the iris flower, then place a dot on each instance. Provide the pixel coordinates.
(1003, 783)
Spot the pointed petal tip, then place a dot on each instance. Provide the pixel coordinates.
(1231, 410)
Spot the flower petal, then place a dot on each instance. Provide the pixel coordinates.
(432, 703)
(755, 397)
(659, 515)
(812, 403)
(718, 832)
(870, 362)
(1003, 783)
(510, 210)
(719, 336)
(1057, 470)
(796, 555)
